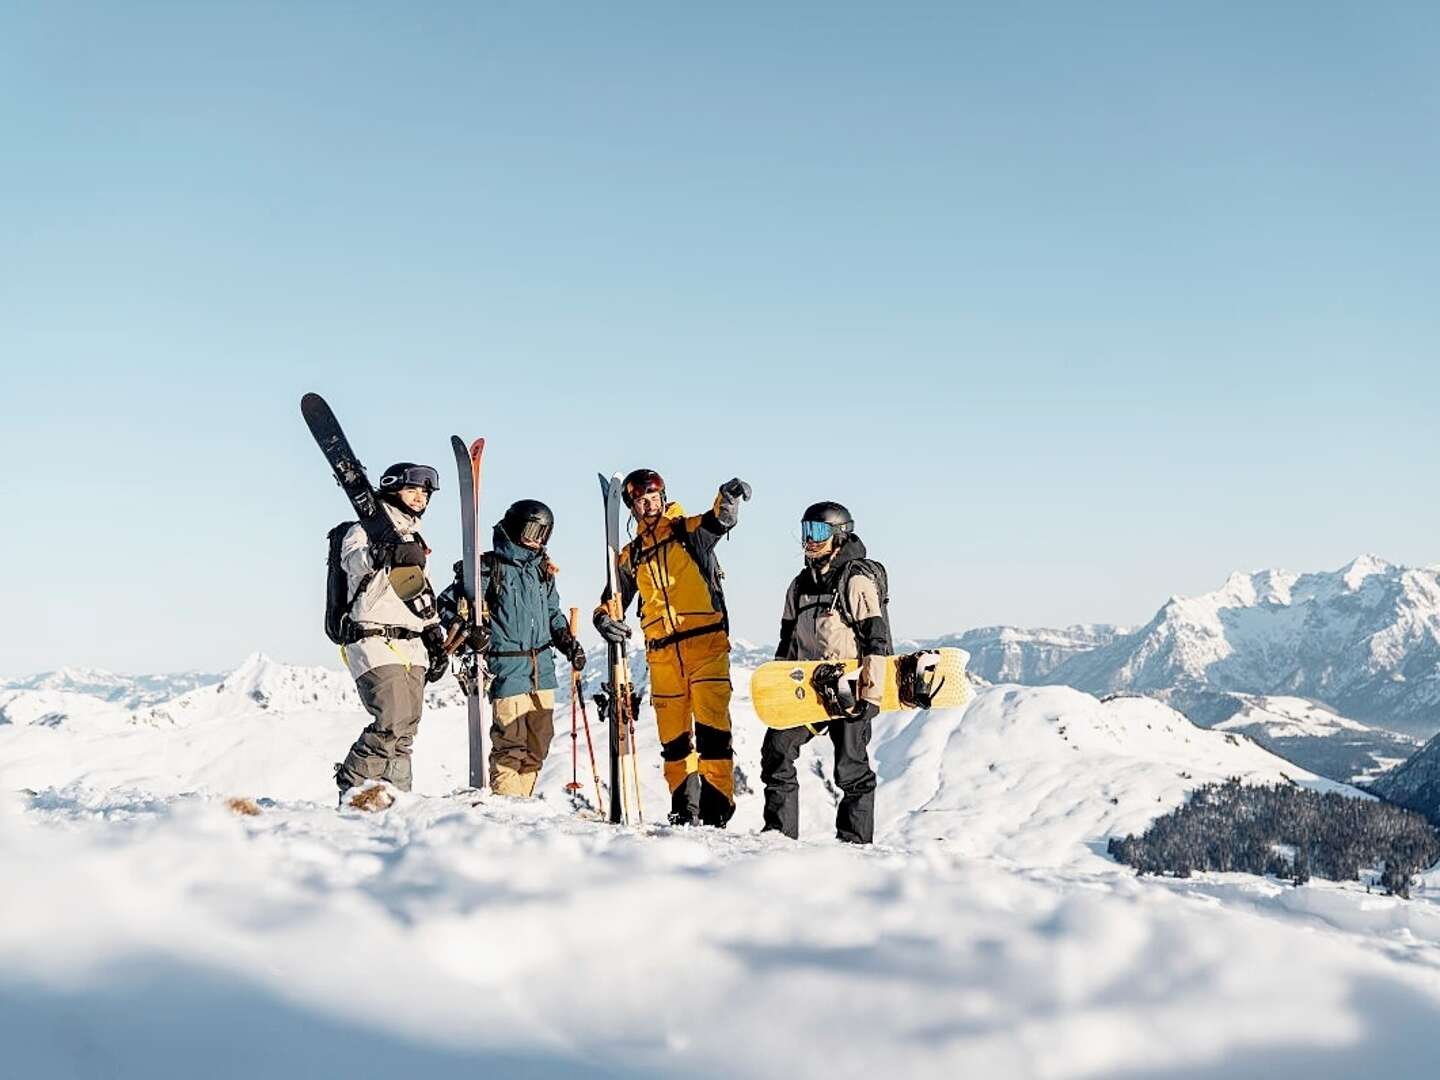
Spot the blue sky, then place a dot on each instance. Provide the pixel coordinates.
(1076, 306)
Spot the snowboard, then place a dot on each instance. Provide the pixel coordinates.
(617, 697)
(477, 705)
(787, 693)
(407, 581)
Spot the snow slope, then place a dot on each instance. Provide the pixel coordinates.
(147, 930)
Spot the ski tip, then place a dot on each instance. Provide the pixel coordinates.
(457, 443)
(310, 401)
(604, 483)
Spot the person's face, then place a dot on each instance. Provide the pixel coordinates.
(414, 498)
(647, 508)
(816, 550)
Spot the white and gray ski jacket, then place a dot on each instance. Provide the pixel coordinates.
(378, 604)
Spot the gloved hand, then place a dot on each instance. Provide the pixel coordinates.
(614, 631)
(577, 655)
(408, 553)
(736, 489)
(865, 711)
(477, 639)
(433, 638)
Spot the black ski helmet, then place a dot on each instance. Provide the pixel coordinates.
(405, 474)
(641, 482)
(528, 520)
(828, 513)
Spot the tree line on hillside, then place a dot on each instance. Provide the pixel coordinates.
(1287, 832)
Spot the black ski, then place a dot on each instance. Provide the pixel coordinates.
(407, 581)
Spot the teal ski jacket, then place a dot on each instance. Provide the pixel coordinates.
(525, 618)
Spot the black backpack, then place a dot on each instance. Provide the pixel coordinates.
(338, 597)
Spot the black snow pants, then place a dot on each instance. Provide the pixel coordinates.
(855, 816)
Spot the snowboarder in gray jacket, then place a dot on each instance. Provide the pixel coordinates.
(835, 609)
(391, 646)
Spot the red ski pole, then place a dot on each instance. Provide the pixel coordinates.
(574, 784)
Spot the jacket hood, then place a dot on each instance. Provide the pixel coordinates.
(852, 549)
(403, 522)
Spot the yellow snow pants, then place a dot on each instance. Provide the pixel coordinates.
(690, 690)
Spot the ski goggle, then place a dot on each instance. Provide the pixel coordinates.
(816, 532)
(536, 532)
(422, 476)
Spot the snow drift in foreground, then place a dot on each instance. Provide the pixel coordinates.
(149, 931)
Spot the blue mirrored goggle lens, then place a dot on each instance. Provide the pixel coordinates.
(816, 532)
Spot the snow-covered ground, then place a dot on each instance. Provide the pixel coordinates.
(148, 930)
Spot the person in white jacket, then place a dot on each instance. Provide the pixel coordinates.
(391, 645)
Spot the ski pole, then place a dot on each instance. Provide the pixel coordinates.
(577, 694)
(635, 762)
(590, 745)
(574, 784)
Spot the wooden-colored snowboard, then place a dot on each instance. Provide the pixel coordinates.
(785, 696)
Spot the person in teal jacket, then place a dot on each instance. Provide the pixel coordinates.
(523, 622)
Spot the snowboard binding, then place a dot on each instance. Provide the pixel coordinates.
(915, 678)
(834, 690)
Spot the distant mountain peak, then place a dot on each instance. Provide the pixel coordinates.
(1360, 569)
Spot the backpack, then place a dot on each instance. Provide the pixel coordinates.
(872, 569)
(338, 597)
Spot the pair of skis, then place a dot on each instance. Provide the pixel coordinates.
(477, 705)
(407, 581)
(618, 697)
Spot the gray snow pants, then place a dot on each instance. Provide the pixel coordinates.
(393, 695)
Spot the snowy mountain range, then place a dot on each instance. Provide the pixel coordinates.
(1010, 654)
(1364, 640)
(126, 691)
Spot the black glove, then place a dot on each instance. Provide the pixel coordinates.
(477, 639)
(408, 553)
(433, 638)
(865, 711)
(569, 646)
(736, 489)
(612, 630)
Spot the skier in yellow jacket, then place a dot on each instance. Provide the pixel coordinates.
(671, 564)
